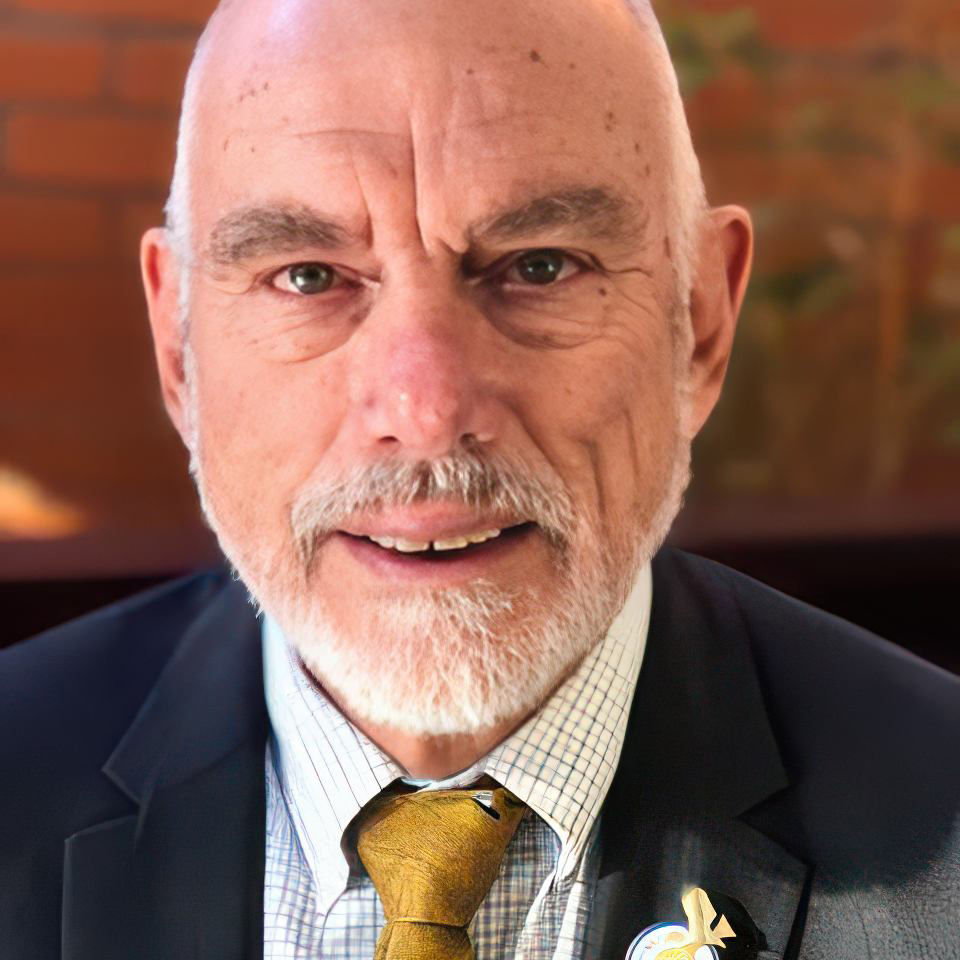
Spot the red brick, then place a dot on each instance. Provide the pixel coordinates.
(88, 414)
(826, 25)
(940, 192)
(736, 102)
(151, 72)
(152, 11)
(847, 185)
(739, 103)
(40, 228)
(739, 175)
(51, 309)
(90, 147)
(37, 66)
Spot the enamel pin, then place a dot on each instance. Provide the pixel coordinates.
(698, 940)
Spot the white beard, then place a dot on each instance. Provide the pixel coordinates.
(442, 662)
(453, 660)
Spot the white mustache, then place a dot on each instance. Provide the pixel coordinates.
(487, 482)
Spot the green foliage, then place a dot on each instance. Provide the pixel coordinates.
(848, 356)
(703, 43)
(804, 291)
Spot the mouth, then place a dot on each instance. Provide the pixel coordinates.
(460, 556)
(449, 547)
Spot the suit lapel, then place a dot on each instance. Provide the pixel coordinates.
(183, 876)
(678, 853)
(699, 756)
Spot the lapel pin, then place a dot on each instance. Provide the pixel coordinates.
(697, 940)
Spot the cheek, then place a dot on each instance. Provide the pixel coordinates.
(263, 427)
(628, 369)
(608, 415)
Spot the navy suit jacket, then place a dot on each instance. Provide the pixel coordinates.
(774, 754)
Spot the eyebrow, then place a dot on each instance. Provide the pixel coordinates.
(281, 228)
(600, 212)
(277, 228)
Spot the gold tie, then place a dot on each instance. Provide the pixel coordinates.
(433, 856)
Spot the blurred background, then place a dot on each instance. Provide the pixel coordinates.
(832, 467)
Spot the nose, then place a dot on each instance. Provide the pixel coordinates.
(420, 386)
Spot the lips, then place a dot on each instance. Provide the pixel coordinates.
(439, 568)
(448, 544)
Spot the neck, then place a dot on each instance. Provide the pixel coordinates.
(424, 756)
(427, 757)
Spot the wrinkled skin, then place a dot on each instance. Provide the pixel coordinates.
(414, 124)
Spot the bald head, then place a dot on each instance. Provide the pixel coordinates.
(260, 67)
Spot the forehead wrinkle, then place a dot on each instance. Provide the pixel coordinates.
(603, 213)
(271, 228)
(351, 133)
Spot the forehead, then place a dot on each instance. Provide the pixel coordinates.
(451, 105)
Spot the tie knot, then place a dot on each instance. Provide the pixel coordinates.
(434, 855)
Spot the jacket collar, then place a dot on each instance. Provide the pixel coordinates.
(207, 701)
(700, 755)
(699, 738)
(183, 875)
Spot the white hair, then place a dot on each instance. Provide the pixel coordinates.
(178, 209)
(685, 194)
(686, 197)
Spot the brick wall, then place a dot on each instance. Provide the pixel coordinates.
(838, 124)
(89, 91)
(88, 98)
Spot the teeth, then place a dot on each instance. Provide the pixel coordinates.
(455, 543)
(410, 546)
(418, 546)
(483, 537)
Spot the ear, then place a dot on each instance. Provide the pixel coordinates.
(160, 270)
(726, 256)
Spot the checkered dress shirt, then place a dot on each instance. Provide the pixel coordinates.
(321, 770)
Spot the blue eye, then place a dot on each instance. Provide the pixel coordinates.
(307, 279)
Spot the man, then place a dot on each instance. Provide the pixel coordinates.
(438, 310)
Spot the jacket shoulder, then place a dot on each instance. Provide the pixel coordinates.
(67, 698)
(867, 730)
(68, 693)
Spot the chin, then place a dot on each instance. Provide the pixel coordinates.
(453, 661)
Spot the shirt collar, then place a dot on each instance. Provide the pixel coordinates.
(560, 762)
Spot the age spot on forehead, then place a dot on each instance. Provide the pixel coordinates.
(252, 89)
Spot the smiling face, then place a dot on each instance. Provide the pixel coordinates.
(440, 382)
